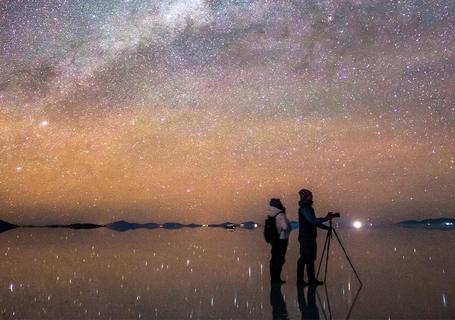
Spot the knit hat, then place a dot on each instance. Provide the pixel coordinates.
(275, 202)
(305, 193)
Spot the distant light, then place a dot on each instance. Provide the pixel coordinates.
(449, 223)
(255, 225)
(205, 225)
(357, 224)
(44, 123)
(444, 299)
(371, 224)
(19, 169)
(11, 287)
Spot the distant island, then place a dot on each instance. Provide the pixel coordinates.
(435, 224)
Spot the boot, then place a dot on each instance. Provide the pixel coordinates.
(311, 275)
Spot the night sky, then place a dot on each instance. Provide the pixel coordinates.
(200, 111)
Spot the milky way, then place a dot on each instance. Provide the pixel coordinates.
(200, 111)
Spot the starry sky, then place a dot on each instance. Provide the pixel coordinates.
(201, 110)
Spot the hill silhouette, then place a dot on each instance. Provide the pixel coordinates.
(125, 225)
(224, 225)
(440, 224)
(5, 226)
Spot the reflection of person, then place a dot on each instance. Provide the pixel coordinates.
(280, 245)
(308, 307)
(307, 237)
(279, 310)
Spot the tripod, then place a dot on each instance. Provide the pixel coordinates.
(326, 251)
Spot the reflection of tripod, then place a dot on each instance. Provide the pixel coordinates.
(328, 303)
(326, 251)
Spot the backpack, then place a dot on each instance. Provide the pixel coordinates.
(270, 230)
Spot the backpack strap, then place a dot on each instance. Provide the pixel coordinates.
(281, 211)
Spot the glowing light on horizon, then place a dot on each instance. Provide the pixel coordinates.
(357, 224)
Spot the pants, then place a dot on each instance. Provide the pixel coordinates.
(279, 248)
(308, 250)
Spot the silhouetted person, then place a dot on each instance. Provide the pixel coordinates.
(308, 308)
(279, 310)
(307, 237)
(280, 245)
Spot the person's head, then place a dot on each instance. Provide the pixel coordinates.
(276, 203)
(306, 195)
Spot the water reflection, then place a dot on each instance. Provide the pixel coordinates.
(212, 273)
(279, 310)
(308, 306)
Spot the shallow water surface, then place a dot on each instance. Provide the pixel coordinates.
(210, 273)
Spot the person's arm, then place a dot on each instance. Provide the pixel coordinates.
(281, 224)
(318, 222)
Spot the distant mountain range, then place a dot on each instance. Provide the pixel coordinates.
(439, 224)
(125, 225)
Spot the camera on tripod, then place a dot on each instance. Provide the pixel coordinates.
(332, 215)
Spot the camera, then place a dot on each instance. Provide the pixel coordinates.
(334, 215)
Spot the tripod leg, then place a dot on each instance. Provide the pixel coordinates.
(345, 253)
(322, 306)
(329, 236)
(328, 301)
(322, 256)
(354, 301)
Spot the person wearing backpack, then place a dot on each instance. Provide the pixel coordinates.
(278, 235)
